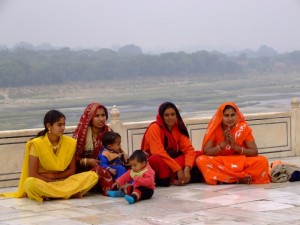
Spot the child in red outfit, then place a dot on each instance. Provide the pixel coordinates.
(141, 174)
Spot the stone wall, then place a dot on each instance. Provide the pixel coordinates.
(277, 135)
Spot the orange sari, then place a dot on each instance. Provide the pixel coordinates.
(227, 166)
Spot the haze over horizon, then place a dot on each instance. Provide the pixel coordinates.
(155, 26)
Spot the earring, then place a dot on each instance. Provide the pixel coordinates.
(49, 131)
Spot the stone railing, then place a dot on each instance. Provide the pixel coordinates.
(277, 135)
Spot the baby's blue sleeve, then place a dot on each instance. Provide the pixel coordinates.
(103, 161)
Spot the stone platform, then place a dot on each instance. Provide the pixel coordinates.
(199, 203)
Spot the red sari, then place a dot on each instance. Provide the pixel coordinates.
(167, 151)
(81, 132)
(227, 166)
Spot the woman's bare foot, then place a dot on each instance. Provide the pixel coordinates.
(244, 180)
(45, 198)
(178, 183)
(77, 195)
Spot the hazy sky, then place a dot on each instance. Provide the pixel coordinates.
(153, 24)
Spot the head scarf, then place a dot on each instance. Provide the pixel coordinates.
(171, 143)
(216, 121)
(81, 131)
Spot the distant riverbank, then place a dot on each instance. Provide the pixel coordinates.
(138, 100)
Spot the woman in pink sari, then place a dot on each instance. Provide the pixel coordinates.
(230, 151)
(89, 132)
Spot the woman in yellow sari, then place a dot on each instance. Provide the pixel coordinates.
(230, 151)
(48, 169)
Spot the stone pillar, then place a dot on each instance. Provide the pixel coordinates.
(179, 108)
(117, 126)
(295, 114)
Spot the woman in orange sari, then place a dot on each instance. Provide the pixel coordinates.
(89, 133)
(230, 151)
(171, 154)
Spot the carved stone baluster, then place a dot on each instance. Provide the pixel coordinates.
(295, 113)
(117, 126)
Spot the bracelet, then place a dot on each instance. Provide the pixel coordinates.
(242, 151)
(219, 147)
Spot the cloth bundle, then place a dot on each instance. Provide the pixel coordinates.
(282, 172)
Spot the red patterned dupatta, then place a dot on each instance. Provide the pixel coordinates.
(166, 137)
(82, 130)
(241, 129)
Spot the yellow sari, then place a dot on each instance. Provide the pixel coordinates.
(38, 189)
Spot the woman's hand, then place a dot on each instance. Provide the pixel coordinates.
(115, 185)
(90, 162)
(180, 177)
(233, 144)
(231, 141)
(126, 157)
(112, 171)
(227, 135)
(187, 174)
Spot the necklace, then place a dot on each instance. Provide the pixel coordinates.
(55, 148)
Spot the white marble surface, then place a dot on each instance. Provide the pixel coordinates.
(199, 203)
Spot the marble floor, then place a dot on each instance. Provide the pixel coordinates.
(192, 204)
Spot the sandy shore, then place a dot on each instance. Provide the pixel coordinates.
(137, 100)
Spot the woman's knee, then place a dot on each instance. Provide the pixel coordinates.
(154, 159)
(201, 160)
(29, 184)
(263, 161)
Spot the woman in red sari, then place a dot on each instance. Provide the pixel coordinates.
(230, 151)
(89, 132)
(167, 143)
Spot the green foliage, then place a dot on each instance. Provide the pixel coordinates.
(22, 67)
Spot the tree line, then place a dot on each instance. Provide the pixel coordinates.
(22, 66)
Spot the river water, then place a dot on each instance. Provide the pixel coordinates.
(139, 100)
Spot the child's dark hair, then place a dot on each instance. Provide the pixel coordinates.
(109, 138)
(51, 117)
(138, 155)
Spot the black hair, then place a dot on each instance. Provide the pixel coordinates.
(229, 107)
(138, 155)
(167, 105)
(105, 110)
(109, 138)
(50, 117)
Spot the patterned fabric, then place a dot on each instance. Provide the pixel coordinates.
(87, 148)
(240, 131)
(105, 180)
(82, 130)
(227, 166)
(230, 169)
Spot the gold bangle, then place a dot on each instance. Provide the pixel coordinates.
(219, 147)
